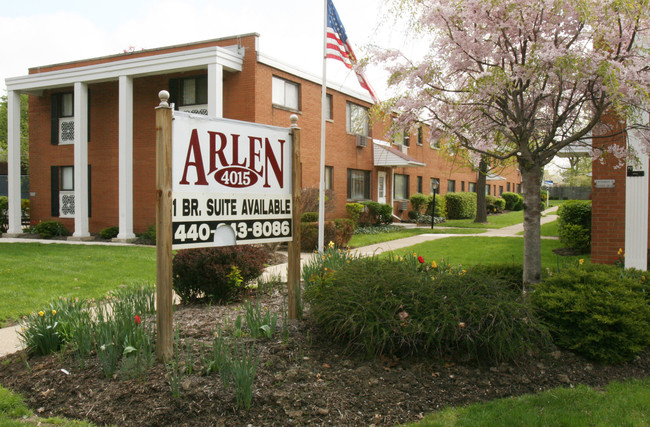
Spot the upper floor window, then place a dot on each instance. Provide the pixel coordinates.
(194, 91)
(67, 105)
(329, 177)
(420, 135)
(403, 138)
(451, 186)
(62, 129)
(285, 93)
(357, 119)
(419, 184)
(329, 112)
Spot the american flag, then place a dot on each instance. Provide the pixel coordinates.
(339, 48)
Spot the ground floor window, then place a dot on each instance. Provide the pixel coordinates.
(358, 184)
(472, 187)
(451, 186)
(400, 186)
(329, 177)
(420, 184)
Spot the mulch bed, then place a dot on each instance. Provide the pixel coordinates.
(305, 380)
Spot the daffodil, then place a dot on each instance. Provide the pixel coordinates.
(331, 244)
(41, 313)
(53, 312)
(433, 264)
(581, 261)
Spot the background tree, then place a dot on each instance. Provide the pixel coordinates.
(522, 79)
(24, 130)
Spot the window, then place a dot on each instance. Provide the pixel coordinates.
(451, 186)
(62, 115)
(194, 91)
(500, 190)
(420, 135)
(472, 187)
(329, 114)
(400, 186)
(286, 93)
(358, 184)
(508, 186)
(420, 184)
(519, 188)
(357, 119)
(66, 180)
(487, 190)
(462, 186)
(67, 105)
(402, 138)
(407, 138)
(329, 174)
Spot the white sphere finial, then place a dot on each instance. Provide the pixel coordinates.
(164, 97)
(294, 120)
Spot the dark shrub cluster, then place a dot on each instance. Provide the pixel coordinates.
(377, 213)
(216, 274)
(596, 311)
(402, 305)
(109, 232)
(514, 201)
(338, 231)
(494, 204)
(49, 229)
(309, 217)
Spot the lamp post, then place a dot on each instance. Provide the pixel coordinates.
(434, 186)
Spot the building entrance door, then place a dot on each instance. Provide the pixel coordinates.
(381, 187)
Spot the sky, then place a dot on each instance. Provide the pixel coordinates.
(43, 32)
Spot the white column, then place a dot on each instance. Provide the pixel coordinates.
(636, 206)
(125, 158)
(13, 157)
(215, 90)
(81, 160)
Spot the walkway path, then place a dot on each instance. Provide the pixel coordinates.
(10, 342)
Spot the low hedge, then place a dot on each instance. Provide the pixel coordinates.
(339, 231)
(514, 201)
(461, 205)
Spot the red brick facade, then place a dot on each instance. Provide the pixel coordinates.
(247, 96)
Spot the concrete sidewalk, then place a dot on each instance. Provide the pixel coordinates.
(10, 342)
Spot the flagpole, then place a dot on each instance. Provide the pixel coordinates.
(323, 101)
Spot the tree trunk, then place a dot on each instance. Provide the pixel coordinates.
(481, 208)
(531, 181)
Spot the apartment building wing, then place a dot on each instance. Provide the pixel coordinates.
(92, 133)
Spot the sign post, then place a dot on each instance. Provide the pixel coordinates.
(293, 270)
(164, 311)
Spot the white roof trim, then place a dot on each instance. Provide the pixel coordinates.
(272, 62)
(390, 157)
(136, 67)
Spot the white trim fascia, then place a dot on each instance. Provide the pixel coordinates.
(274, 63)
(134, 67)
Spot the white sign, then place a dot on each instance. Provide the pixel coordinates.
(604, 183)
(231, 182)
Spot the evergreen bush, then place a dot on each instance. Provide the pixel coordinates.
(109, 232)
(309, 217)
(379, 213)
(494, 204)
(354, 211)
(596, 312)
(574, 224)
(514, 201)
(441, 207)
(49, 229)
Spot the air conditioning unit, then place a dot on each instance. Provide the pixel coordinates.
(362, 141)
(403, 148)
(403, 205)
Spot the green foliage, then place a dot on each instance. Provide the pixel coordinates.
(4, 213)
(595, 312)
(24, 130)
(49, 229)
(418, 202)
(338, 231)
(12, 405)
(494, 204)
(109, 232)
(319, 266)
(149, 236)
(309, 217)
(461, 205)
(574, 224)
(260, 325)
(206, 273)
(40, 333)
(406, 305)
(514, 201)
(354, 211)
(379, 213)
(441, 206)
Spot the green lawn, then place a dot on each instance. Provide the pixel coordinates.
(14, 413)
(494, 221)
(359, 240)
(32, 274)
(550, 229)
(486, 250)
(619, 404)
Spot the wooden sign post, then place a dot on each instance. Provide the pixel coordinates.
(293, 269)
(164, 303)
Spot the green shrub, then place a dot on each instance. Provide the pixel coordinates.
(494, 204)
(344, 231)
(379, 213)
(216, 274)
(514, 201)
(4, 213)
(574, 224)
(309, 217)
(404, 305)
(338, 231)
(109, 232)
(418, 202)
(595, 312)
(354, 211)
(49, 229)
(511, 273)
(149, 236)
(441, 206)
(461, 205)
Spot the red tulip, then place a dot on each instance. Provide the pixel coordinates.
(421, 259)
(137, 319)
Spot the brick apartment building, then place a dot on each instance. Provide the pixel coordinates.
(109, 102)
(620, 202)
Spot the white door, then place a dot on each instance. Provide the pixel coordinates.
(381, 187)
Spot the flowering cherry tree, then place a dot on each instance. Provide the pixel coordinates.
(523, 79)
